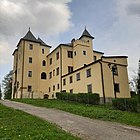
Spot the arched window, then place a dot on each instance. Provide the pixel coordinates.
(43, 75)
(43, 63)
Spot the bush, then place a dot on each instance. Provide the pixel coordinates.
(133, 94)
(126, 104)
(87, 98)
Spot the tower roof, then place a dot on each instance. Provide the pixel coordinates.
(86, 34)
(42, 43)
(30, 37)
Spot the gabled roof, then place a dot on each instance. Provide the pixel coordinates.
(86, 34)
(42, 43)
(30, 37)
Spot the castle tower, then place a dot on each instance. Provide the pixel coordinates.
(29, 67)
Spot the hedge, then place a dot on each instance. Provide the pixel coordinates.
(87, 98)
(126, 104)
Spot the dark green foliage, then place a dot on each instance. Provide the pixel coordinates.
(126, 104)
(132, 93)
(7, 85)
(87, 98)
(138, 97)
(0, 92)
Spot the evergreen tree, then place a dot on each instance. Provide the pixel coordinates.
(7, 86)
(0, 92)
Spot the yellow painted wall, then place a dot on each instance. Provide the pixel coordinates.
(41, 86)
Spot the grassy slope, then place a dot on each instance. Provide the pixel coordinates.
(17, 125)
(94, 112)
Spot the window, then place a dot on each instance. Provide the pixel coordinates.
(29, 73)
(115, 70)
(88, 73)
(75, 53)
(84, 52)
(64, 81)
(117, 87)
(43, 75)
(43, 51)
(71, 90)
(30, 59)
(94, 58)
(78, 76)
(53, 87)
(50, 61)
(70, 69)
(30, 46)
(50, 76)
(71, 79)
(29, 88)
(43, 63)
(89, 88)
(57, 86)
(53, 72)
(49, 89)
(57, 55)
(70, 54)
(57, 71)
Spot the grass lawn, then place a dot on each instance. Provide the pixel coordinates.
(94, 112)
(17, 125)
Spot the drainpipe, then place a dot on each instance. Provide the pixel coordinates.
(102, 77)
(60, 68)
(22, 71)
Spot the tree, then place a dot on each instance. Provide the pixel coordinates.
(0, 92)
(135, 82)
(138, 79)
(7, 85)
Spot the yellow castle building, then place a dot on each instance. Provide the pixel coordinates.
(74, 67)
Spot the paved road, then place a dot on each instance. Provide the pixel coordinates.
(83, 127)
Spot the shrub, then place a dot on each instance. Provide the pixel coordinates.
(126, 104)
(133, 94)
(87, 98)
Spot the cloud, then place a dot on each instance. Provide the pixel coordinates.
(49, 17)
(45, 17)
(122, 38)
(5, 53)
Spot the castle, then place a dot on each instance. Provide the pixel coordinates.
(74, 67)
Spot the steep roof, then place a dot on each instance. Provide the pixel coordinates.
(30, 37)
(87, 34)
(42, 43)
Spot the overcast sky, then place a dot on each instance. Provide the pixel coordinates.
(115, 24)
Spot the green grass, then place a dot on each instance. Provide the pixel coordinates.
(106, 113)
(17, 125)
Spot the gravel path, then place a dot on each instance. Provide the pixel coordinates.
(83, 127)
